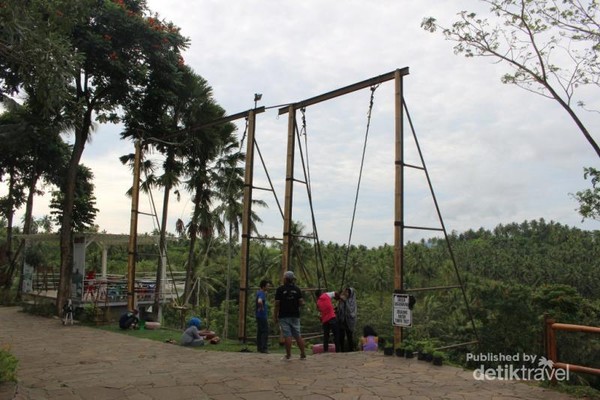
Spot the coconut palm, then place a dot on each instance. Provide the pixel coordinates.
(230, 186)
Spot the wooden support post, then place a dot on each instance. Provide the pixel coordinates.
(398, 194)
(246, 223)
(551, 353)
(132, 248)
(289, 191)
(550, 343)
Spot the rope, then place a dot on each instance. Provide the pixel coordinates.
(158, 227)
(306, 171)
(362, 163)
(435, 202)
(304, 133)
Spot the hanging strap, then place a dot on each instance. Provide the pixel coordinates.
(362, 163)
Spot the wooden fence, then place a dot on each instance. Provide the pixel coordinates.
(550, 328)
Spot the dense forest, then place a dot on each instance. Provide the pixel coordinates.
(513, 275)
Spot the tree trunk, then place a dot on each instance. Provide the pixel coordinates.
(66, 231)
(189, 273)
(26, 230)
(162, 249)
(227, 286)
(10, 212)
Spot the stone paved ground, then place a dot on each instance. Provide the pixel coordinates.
(77, 362)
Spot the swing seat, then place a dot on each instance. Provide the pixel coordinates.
(318, 348)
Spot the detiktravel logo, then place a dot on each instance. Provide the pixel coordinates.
(518, 367)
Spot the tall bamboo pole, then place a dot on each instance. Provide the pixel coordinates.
(132, 248)
(398, 194)
(246, 224)
(289, 191)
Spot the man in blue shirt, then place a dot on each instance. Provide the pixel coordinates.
(262, 315)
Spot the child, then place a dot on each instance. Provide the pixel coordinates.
(369, 341)
(68, 313)
(191, 336)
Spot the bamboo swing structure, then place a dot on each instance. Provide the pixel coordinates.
(246, 235)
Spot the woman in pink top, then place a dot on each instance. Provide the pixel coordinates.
(328, 319)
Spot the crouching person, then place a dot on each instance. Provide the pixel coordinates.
(191, 336)
(129, 320)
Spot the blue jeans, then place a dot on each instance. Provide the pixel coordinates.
(290, 326)
(262, 335)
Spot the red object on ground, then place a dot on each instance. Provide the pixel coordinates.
(152, 325)
(318, 348)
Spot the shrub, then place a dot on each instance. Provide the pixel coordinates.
(44, 308)
(91, 313)
(8, 366)
(7, 297)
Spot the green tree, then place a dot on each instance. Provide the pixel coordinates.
(159, 116)
(264, 262)
(36, 52)
(550, 46)
(229, 184)
(120, 46)
(589, 199)
(84, 210)
(31, 151)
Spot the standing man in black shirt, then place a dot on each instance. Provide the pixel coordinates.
(288, 300)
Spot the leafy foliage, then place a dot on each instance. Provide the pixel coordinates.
(589, 199)
(84, 210)
(549, 46)
(8, 366)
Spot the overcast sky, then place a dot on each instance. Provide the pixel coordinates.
(495, 153)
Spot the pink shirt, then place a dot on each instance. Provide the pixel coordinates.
(325, 306)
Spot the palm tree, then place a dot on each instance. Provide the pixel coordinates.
(31, 151)
(381, 278)
(264, 262)
(204, 149)
(230, 186)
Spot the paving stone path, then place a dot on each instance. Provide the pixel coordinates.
(77, 362)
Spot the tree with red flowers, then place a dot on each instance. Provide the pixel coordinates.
(100, 56)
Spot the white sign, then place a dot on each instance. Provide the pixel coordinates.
(402, 314)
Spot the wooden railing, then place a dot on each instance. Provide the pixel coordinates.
(113, 288)
(550, 328)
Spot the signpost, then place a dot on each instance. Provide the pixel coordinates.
(402, 314)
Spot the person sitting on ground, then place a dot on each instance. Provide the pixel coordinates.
(369, 340)
(191, 336)
(129, 320)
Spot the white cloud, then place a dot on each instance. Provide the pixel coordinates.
(495, 153)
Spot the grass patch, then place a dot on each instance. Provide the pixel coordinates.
(164, 334)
